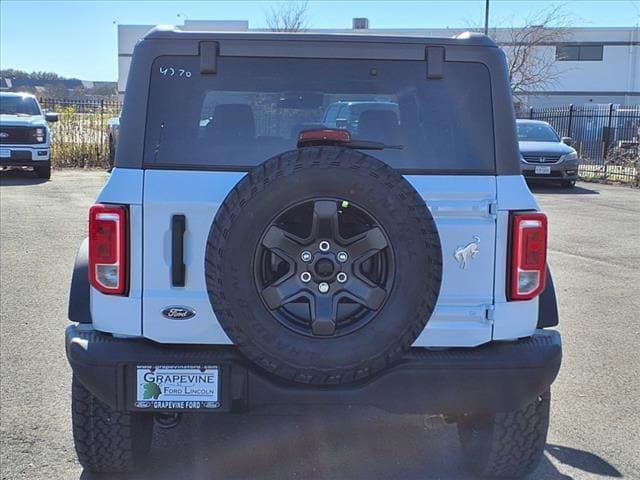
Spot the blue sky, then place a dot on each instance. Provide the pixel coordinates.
(78, 38)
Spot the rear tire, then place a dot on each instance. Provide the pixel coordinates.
(505, 445)
(107, 440)
(44, 172)
(569, 183)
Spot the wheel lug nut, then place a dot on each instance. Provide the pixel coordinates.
(305, 277)
(341, 277)
(305, 256)
(342, 257)
(324, 246)
(323, 287)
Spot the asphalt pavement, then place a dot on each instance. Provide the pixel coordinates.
(595, 426)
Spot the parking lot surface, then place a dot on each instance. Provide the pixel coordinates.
(595, 429)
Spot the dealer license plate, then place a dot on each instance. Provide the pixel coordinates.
(542, 170)
(5, 153)
(177, 387)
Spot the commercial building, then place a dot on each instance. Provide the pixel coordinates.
(592, 65)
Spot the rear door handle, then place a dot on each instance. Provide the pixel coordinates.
(178, 227)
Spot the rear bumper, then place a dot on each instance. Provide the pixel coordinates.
(495, 377)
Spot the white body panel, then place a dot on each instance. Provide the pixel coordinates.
(511, 319)
(197, 195)
(462, 208)
(471, 310)
(111, 313)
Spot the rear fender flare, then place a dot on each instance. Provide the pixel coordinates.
(548, 304)
(79, 294)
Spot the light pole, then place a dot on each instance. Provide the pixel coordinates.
(486, 17)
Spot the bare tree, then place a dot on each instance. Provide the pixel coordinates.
(530, 61)
(288, 17)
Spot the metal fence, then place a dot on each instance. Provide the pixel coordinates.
(607, 137)
(80, 138)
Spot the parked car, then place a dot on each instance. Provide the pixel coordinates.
(25, 137)
(238, 264)
(546, 156)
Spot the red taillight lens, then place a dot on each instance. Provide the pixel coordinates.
(528, 255)
(323, 136)
(108, 248)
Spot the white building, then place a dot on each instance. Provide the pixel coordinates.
(592, 65)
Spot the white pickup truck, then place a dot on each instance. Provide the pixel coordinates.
(25, 137)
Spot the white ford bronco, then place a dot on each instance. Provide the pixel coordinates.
(245, 257)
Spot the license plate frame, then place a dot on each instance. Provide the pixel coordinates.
(178, 387)
(542, 170)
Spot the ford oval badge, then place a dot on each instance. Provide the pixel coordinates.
(178, 313)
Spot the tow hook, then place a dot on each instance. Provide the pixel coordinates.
(167, 420)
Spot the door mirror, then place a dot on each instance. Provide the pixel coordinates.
(51, 117)
(567, 141)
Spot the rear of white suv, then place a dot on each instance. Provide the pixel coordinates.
(245, 256)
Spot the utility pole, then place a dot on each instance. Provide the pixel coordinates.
(486, 17)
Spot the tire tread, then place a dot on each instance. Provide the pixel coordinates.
(513, 444)
(107, 440)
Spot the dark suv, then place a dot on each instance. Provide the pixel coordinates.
(248, 254)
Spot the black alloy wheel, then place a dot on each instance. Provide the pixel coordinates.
(324, 267)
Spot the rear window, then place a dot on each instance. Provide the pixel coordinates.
(254, 108)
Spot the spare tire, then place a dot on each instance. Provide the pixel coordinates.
(323, 264)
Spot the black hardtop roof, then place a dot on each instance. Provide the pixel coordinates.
(173, 33)
(436, 53)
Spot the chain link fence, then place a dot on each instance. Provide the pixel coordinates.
(607, 138)
(80, 138)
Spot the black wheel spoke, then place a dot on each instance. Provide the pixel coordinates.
(282, 242)
(284, 292)
(323, 315)
(367, 244)
(369, 296)
(325, 220)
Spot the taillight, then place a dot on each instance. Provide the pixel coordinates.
(108, 248)
(528, 255)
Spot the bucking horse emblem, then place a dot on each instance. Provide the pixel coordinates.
(466, 253)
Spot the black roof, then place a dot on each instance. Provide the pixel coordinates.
(172, 32)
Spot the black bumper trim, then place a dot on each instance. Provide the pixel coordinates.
(25, 163)
(499, 376)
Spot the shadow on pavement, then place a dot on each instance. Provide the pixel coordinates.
(544, 188)
(12, 178)
(359, 444)
(585, 461)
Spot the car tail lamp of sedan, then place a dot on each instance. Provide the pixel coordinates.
(108, 248)
(528, 255)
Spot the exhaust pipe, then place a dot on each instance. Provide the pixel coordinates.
(167, 420)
